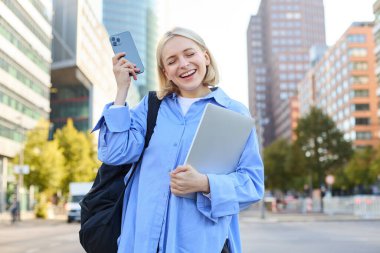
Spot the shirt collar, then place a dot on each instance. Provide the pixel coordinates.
(217, 94)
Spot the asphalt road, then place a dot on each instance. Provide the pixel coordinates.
(311, 237)
(36, 236)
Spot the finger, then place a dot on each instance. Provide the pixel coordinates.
(133, 73)
(122, 61)
(174, 186)
(180, 169)
(116, 57)
(175, 192)
(127, 64)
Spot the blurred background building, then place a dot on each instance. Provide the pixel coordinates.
(344, 85)
(81, 72)
(279, 38)
(140, 18)
(55, 63)
(376, 35)
(25, 57)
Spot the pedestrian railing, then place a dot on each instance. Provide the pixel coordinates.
(360, 205)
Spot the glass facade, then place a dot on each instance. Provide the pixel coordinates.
(72, 101)
(139, 18)
(25, 69)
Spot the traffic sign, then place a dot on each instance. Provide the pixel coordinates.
(330, 179)
(21, 169)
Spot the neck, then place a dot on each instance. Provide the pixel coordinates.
(202, 92)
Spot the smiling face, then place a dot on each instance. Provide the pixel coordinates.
(185, 64)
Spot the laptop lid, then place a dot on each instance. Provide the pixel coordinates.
(219, 140)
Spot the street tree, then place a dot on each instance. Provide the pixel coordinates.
(296, 167)
(80, 155)
(284, 166)
(358, 170)
(45, 160)
(323, 145)
(374, 170)
(275, 156)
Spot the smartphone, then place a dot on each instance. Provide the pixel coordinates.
(123, 42)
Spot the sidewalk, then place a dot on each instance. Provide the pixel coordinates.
(5, 217)
(255, 216)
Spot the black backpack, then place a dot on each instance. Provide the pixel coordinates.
(101, 208)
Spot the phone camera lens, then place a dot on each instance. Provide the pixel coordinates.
(114, 43)
(118, 39)
(113, 38)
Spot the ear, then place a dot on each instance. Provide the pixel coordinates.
(165, 73)
(208, 61)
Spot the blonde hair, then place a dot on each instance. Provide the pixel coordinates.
(166, 86)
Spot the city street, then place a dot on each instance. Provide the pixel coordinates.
(305, 235)
(38, 236)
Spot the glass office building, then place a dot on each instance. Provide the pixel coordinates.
(138, 17)
(25, 57)
(81, 73)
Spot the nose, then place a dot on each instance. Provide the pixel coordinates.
(183, 62)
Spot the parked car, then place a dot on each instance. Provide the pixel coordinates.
(77, 191)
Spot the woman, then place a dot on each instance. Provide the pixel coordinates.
(155, 217)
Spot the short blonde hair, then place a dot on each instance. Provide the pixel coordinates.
(166, 86)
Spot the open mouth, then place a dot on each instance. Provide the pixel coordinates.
(188, 73)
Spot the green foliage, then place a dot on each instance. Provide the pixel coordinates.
(357, 170)
(275, 156)
(44, 158)
(41, 207)
(322, 143)
(79, 152)
(284, 166)
(374, 169)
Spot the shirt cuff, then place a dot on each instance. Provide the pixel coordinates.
(117, 119)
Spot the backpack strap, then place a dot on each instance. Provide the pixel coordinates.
(153, 107)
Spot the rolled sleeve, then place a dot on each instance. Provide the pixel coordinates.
(122, 133)
(204, 206)
(117, 119)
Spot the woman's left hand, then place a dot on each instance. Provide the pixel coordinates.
(185, 179)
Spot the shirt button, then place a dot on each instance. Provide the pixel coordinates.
(175, 144)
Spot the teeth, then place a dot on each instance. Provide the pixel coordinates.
(188, 73)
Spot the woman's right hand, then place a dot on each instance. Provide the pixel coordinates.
(123, 70)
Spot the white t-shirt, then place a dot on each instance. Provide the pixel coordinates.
(185, 103)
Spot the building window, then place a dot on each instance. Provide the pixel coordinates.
(357, 52)
(19, 106)
(360, 93)
(362, 121)
(358, 66)
(365, 135)
(356, 38)
(360, 107)
(359, 79)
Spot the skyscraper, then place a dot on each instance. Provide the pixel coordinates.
(81, 72)
(138, 17)
(279, 38)
(25, 57)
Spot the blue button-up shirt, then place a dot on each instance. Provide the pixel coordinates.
(153, 218)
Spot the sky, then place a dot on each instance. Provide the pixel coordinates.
(223, 26)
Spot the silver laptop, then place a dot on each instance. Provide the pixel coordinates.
(219, 140)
